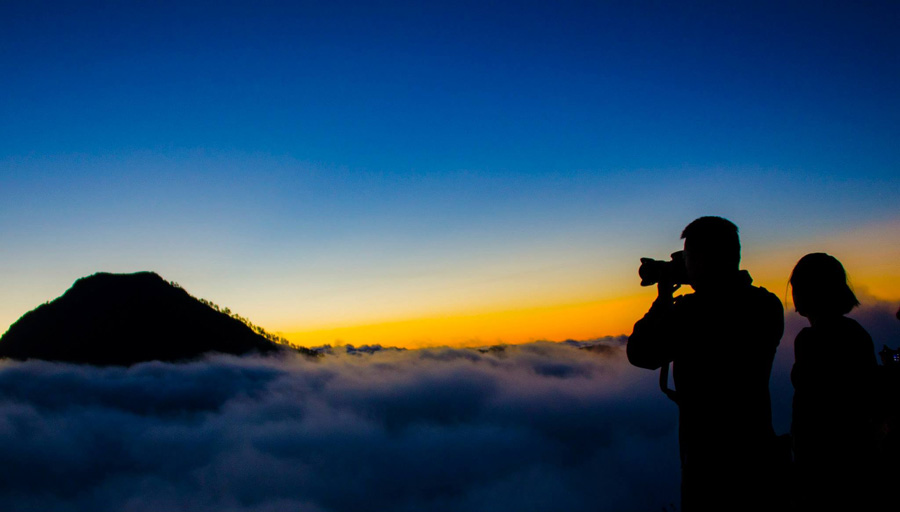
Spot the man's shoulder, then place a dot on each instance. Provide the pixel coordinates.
(755, 294)
(764, 297)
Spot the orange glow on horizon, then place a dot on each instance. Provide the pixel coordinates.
(571, 321)
(869, 253)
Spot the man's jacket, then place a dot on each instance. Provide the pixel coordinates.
(722, 343)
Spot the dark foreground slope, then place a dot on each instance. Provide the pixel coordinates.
(123, 319)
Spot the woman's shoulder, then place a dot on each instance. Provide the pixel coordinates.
(805, 333)
(842, 332)
(848, 327)
(804, 339)
(837, 328)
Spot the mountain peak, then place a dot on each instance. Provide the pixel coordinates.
(124, 319)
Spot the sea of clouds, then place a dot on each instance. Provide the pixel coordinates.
(536, 427)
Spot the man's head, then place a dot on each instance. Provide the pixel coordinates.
(712, 250)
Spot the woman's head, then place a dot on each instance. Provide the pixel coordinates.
(820, 288)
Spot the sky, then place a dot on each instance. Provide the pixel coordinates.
(441, 173)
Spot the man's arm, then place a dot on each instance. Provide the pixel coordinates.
(651, 343)
(773, 326)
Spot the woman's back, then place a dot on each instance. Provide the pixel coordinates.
(834, 388)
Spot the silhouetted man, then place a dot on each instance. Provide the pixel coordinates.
(721, 340)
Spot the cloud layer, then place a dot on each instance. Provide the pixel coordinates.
(536, 427)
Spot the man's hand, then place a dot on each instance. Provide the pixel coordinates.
(666, 291)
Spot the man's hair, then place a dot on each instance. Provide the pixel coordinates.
(821, 281)
(714, 235)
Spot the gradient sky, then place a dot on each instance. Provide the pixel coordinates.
(426, 173)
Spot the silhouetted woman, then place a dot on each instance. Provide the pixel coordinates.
(833, 378)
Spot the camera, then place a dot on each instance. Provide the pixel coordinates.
(672, 272)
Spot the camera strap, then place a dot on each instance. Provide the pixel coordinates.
(664, 383)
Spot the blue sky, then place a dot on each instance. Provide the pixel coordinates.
(364, 161)
(399, 87)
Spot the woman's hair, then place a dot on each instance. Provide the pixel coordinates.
(820, 286)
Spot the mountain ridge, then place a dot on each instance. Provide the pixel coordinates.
(124, 319)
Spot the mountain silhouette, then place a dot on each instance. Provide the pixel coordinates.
(123, 319)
